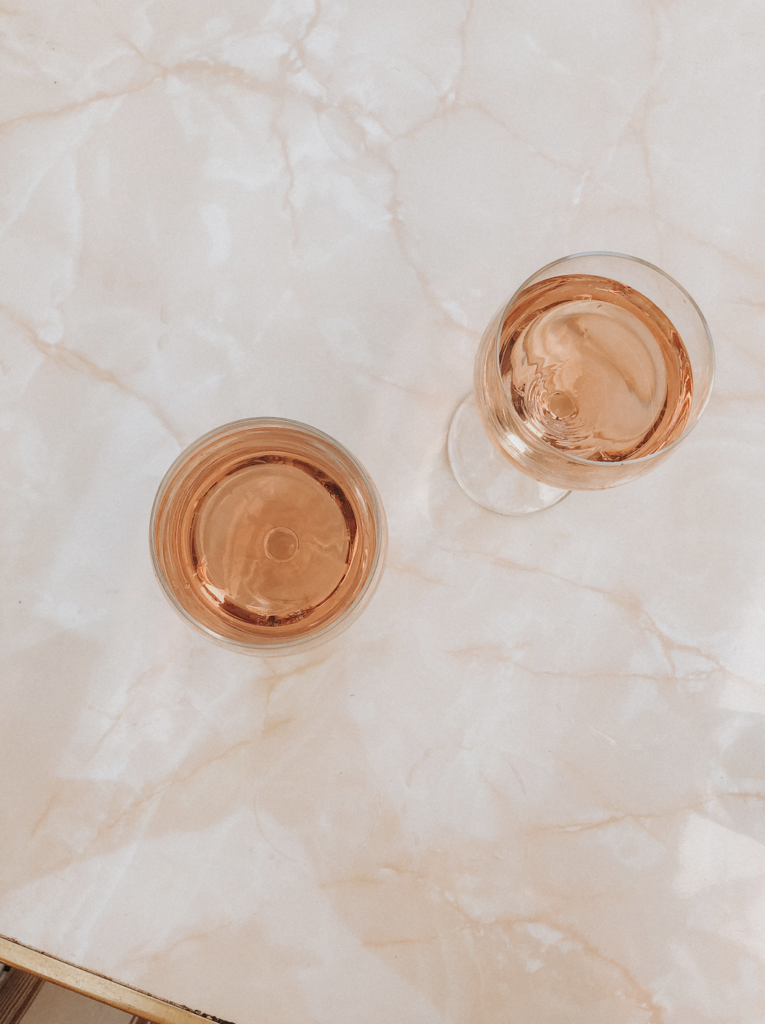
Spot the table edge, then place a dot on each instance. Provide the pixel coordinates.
(104, 990)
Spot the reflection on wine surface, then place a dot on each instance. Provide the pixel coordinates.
(594, 368)
(266, 534)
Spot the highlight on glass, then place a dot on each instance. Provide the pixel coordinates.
(268, 536)
(590, 376)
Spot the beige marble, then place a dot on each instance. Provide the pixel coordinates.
(528, 784)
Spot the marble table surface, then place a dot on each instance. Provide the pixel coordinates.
(528, 784)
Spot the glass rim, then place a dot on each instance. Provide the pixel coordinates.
(577, 459)
(378, 553)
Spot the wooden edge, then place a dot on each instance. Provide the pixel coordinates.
(101, 989)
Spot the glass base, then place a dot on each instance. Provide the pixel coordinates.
(486, 476)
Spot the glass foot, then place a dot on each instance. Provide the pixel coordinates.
(486, 476)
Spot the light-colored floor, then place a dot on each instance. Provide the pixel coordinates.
(51, 1004)
(54, 1005)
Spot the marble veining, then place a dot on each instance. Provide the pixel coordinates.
(528, 784)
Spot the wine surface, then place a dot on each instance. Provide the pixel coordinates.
(270, 542)
(267, 533)
(595, 369)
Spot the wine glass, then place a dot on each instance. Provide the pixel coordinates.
(590, 376)
(267, 536)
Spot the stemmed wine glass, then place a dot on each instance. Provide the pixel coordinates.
(590, 376)
(268, 536)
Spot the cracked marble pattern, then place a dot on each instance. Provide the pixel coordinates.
(528, 785)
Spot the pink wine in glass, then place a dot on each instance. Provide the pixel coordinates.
(594, 369)
(589, 377)
(268, 536)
